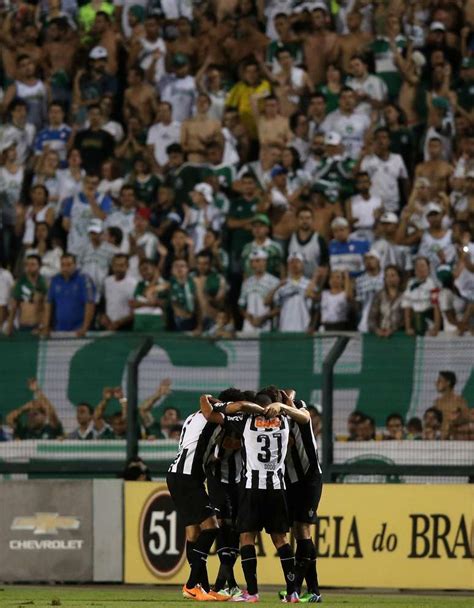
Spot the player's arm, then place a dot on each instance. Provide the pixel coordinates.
(247, 407)
(301, 416)
(230, 409)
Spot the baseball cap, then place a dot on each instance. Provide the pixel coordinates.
(261, 218)
(258, 254)
(296, 255)
(433, 208)
(205, 190)
(180, 59)
(98, 52)
(7, 143)
(437, 26)
(372, 253)
(339, 222)
(332, 138)
(389, 217)
(321, 6)
(278, 170)
(96, 226)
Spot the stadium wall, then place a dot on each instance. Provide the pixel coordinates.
(377, 376)
(387, 536)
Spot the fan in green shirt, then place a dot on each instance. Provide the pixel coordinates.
(149, 299)
(261, 229)
(183, 297)
(239, 220)
(144, 182)
(28, 296)
(181, 176)
(36, 419)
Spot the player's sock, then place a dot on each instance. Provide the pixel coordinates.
(222, 551)
(312, 573)
(287, 559)
(234, 553)
(199, 559)
(302, 560)
(189, 551)
(249, 566)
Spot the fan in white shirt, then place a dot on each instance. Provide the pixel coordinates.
(387, 172)
(118, 290)
(162, 134)
(371, 91)
(363, 209)
(351, 125)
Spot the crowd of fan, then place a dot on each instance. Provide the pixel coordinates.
(448, 418)
(237, 165)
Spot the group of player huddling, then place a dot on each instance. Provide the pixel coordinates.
(258, 456)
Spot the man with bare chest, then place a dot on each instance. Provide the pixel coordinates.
(322, 47)
(437, 170)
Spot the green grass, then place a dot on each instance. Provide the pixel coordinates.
(143, 597)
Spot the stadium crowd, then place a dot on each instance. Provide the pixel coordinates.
(449, 417)
(237, 165)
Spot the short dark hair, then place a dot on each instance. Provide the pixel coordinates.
(21, 58)
(172, 408)
(271, 391)
(127, 187)
(449, 376)
(87, 405)
(249, 395)
(248, 176)
(69, 255)
(305, 208)
(415, 422)
(381, 130)
(119, 256)
(438, 413)
(394, 416)
(34, 256)
(147, 261)
(231, 394)
(204, 254)
(17, 103)
(362, 174)
(174, 149)
(116, 234)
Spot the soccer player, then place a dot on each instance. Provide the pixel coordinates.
(185, 480)
(303, 491)
(223, 477)
(262, 501)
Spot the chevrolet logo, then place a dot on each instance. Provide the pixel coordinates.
(46, 523)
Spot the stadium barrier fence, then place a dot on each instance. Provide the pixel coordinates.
(343, 373)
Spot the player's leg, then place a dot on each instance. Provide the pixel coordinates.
(200, 553)
(248, 557)
(305, 560)
(248, 524)
(277, 526)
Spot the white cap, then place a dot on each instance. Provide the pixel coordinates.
(258, 254)
(98, 52)
(319, 6)
(373, 253)
(96, 226)
(296, 255)
(6, 143)
(206, 190)
(437, 26)
(389, 217)
(433, 208)
(332, 138)
(339, 222)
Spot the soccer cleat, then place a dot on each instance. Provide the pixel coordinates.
(291, 599)
(311, 598)
(220, 596)
(197, 593)
(246, 597)
(282, 594)
(235, 592)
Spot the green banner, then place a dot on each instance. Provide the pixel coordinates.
(374, 375)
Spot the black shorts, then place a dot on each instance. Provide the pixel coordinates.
(259, 509)
(303, 499)
(224, 497)
(190, 498)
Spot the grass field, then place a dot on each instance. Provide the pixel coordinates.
(141, 597)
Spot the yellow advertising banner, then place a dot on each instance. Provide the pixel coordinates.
(394, 536)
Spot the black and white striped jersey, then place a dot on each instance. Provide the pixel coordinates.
(195, 445)
(302, 456)
(227, 464)
(264, 445)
